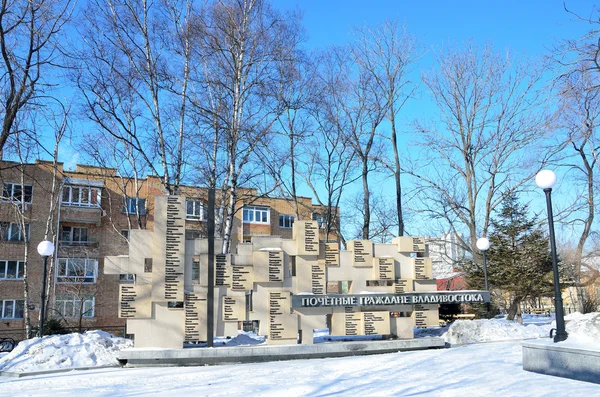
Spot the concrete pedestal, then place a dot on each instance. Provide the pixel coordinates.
(564, 359)
(252, 354)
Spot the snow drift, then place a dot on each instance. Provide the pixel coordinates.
(91, 349)
(580, 327)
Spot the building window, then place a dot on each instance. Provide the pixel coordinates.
(126, 278)
(320, 220)
(77, 270)
(11, 309)
(17, 192)
(286, 221)
(74, 235)
(256, 215)
(81, 196)
(69, 306)
(134, 206)
(11, 270)
(195, 210)
(12, 232)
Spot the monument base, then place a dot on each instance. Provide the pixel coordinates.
(252, 354)
(562, 359)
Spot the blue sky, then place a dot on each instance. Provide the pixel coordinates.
(528, 26)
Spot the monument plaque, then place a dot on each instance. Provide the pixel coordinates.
(423, 268)
(134, 301)
(362, 253)
(306, 234)
(234, 308)
(384, 268)
(353, 324)
(402, 285)
(279, 303)
(332, 254)
(222, 270)
(194, 310)
(318, 283)
(283, 327)
(174, 248)
(276, 266)
(376, 323)
(242, 278)
(410, 244)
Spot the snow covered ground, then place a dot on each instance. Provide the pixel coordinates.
(488, 369)
(481, 369)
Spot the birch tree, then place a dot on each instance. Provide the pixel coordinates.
(241, 48)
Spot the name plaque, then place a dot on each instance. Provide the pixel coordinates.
(174, 248)
(362, 253)
(318, 283)
(332, 254)
(242, 278)
(192, 317)
(222, 270)
(276, 266)
(339, 300)
(384, 268)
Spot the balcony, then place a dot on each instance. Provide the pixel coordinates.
(78, 244)
(83, 215)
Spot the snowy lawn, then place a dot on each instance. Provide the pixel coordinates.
(475, 370)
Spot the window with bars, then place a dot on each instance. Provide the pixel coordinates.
(81, 196)
(134, 206)
(195, 210)
(255, 214)
(11, 309)
(11, 270)
(71, 306)
(77, 270)
(74, 235)
(13, 232)
(17, 192)
(286, 221)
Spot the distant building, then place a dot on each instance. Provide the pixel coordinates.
(445, 252)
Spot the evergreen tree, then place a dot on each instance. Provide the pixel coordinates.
(518, 261)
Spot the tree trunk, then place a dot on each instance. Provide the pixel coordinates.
(366, 204)
(397, 177)
(514, 308)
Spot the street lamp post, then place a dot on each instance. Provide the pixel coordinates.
(45, 249)
(483, 244)
(546, 180)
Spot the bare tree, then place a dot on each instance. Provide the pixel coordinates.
(241, 49)
(579, 117)
(134, 78)
(30, 44)
(481, 148)
(388, 53)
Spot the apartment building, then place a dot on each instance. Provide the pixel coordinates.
(94, 211)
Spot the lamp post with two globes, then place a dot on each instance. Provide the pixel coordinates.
(546, 180)
(45, 249)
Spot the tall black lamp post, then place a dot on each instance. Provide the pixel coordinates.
(45, 249)
(483, 244)
(546, 180)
